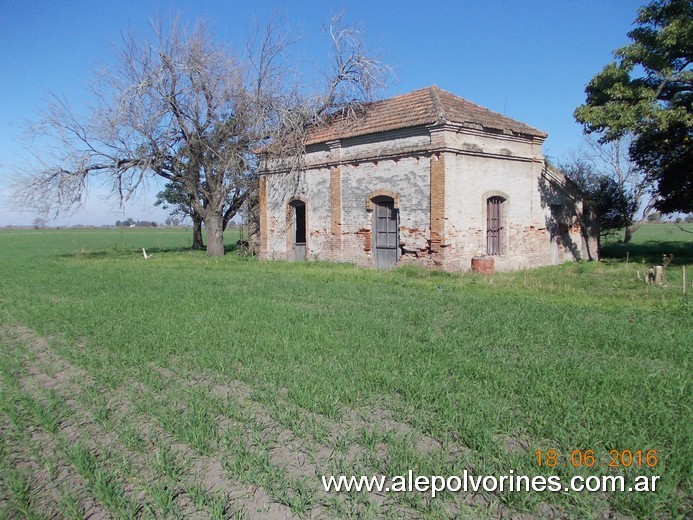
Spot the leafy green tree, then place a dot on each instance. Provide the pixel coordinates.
(647, 92)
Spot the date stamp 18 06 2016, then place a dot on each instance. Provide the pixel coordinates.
(588, 458)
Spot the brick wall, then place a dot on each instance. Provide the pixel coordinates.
(440, 179)
(313, 188)
(408, 180)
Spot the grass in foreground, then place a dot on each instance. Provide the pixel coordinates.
(261, 376)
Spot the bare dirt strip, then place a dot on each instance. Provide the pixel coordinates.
(254, 462)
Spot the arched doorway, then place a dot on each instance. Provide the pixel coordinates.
(385, 232)
(298, 210)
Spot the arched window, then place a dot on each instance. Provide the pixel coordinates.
(495, 225)
(298, 228)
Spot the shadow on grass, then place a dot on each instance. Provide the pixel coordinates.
(129, 251)
(649, 252)
(125, 252)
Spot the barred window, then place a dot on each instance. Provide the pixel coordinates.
(494, 225)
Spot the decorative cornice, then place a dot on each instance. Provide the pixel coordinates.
(421, 151)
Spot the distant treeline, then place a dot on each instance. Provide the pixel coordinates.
(132, 223)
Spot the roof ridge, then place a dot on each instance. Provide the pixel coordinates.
(423, 107)
(486, 109)
(438, 111)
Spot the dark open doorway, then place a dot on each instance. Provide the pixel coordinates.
(299, 211)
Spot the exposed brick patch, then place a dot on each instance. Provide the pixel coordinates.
(366, 235)
(483, 265)
(437, 202)
(336, 212)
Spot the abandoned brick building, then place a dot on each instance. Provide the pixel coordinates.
(429, 178)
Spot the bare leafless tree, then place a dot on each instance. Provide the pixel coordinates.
(611, 162)
(184, 108)
(355, 73)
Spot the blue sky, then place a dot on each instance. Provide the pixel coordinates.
(528, 59)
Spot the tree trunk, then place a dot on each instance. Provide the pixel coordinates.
(197, 233)
(628, 235)
(215, 235)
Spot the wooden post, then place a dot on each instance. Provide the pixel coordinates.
(659, 274)
(684, 279)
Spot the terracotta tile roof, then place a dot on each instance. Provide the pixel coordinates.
(421, 107)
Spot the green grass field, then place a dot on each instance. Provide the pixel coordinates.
(651, 241)
(191, 387)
